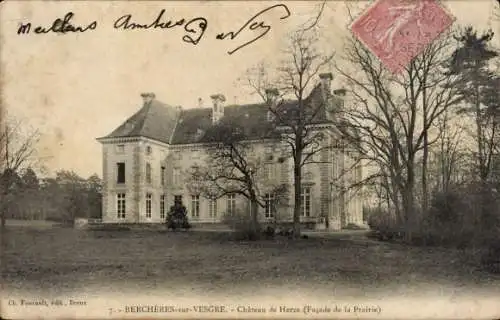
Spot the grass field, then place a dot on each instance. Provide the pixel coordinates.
(64, 260)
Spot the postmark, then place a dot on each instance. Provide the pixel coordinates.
(396, 31)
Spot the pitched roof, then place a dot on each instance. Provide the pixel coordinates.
(155, 120)
(195, 125)
(166, 124)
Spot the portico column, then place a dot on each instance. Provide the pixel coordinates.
(334, 213)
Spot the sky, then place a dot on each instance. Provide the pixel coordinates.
(75, 87)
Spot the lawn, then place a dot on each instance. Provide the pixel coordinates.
(61, 261)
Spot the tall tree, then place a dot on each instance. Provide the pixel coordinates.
(294, 78)
(17, 151)
(394, 114)
(479, 84)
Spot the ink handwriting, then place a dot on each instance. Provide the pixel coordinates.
(194, 28)
(58, 26)
(254, 24)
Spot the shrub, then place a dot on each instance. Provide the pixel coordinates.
(269, 232)
(490, 260)
(461, 217)
(380, 219)
(352, 226)
(240, 221)
(177, 217)
(446, 207)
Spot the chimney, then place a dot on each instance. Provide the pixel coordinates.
(147, 97)
(326, 82)
(272, 96)
(217, 107)
(340, 97)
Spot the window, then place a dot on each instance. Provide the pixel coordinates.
(177, 176)
(269, 201)
(149, 198)
(270, 116)
(307, 173)
(148, 173)
(120, 148)
(120, 172)
(270, 171)
(195, 205)
(231, 204)
(162, 206)
(266, 170)
(306, 201)
(120, 205)
(212, 208)
(149, 150)
(162, 175)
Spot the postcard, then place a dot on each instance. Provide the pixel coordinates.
(250, 159)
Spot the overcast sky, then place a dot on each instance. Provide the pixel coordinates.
(80, 86)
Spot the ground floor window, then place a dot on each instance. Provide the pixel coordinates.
(195, 205)
(120, 205)
(269, 205)
(305, 195)
(162, 206)
(212, 208)
(231, 204)
(149, 198)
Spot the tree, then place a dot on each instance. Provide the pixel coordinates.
(479, 85)
(30, 180)
(295, 78)
(28, 197)
(393, 115)
(72, 189)
(450, 157)
(177, 217)
(94, 196)
(232, 166)
(17, 151)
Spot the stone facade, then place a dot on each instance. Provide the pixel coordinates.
(154, 152)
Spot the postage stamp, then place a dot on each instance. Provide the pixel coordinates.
(397, 30)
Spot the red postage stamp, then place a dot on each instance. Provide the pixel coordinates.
(398, 30)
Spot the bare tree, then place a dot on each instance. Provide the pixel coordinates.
(449, 154)
(233, 166)
(17, 151)
(393, 115)
(293, 110)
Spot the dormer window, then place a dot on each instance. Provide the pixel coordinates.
(217, 107)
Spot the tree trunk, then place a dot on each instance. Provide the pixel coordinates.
(409, 204)
(425, 192)
(298, 200)
(254, 211)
